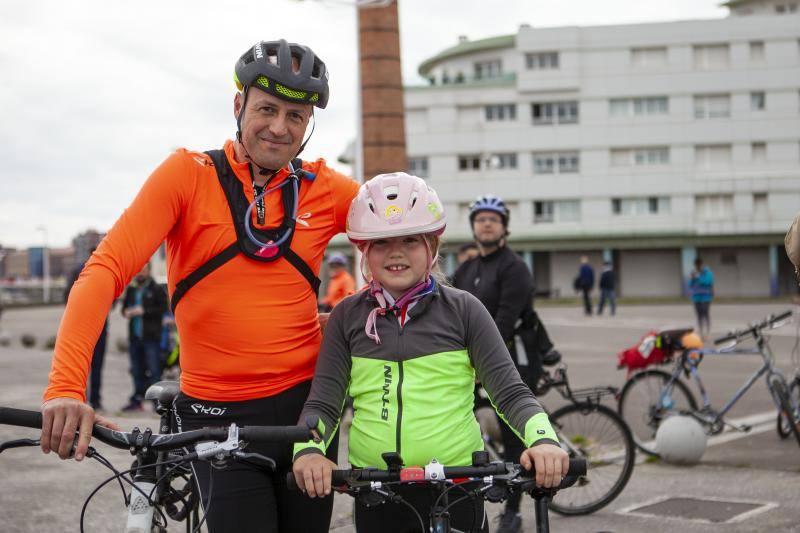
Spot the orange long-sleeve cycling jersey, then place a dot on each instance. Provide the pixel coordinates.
(249, 329)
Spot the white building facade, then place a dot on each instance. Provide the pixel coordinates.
(646, 145)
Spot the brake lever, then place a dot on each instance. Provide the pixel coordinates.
(256, 459)
(19, 443)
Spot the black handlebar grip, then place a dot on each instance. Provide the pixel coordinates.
(276, 434)
(577, 467)
(338, 478)
(20, 417)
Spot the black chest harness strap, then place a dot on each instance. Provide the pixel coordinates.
(238, 204)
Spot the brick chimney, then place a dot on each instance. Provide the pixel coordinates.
(382, 117)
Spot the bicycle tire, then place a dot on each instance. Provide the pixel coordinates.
(644, 422)
(778, 386)
(784, 430)
(605, 441)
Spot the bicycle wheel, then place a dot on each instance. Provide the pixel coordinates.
(784, 429)
(787, 408)
(598, 434)
(644, 402)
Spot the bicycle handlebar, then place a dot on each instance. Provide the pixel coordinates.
(742, 333)
(577, 467)
(160, 442)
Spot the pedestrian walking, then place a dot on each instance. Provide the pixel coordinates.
(584, 283)
(144, 306)
(608, 289)
(701, 285)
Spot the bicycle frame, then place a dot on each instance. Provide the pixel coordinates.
(689, 361)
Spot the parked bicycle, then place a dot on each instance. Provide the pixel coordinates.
(162, 461)
(650, 395)
(484, 480)
(586, 429)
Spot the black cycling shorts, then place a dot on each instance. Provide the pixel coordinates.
(247, 498)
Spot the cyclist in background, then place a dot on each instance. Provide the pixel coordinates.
(243, 282)
(408, 349)
(499, 278)
(341, 284)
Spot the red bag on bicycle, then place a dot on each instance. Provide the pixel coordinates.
(649, 351)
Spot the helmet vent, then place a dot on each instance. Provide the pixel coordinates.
(414, 197)
(371, 205)
(391, 192)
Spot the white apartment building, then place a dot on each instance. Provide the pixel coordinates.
(648, 145)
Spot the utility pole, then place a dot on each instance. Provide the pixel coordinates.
(383, 133)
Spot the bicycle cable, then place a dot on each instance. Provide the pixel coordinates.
(467, 493)
(121, 475)
(206, 508)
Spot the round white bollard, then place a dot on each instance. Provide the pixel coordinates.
(681, 440)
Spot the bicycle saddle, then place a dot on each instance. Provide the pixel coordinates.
(163, 391)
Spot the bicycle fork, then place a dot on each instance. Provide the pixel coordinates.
(144, 494)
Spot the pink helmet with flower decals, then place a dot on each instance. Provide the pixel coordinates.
(394, 205)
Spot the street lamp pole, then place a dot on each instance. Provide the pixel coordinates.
(45, 266)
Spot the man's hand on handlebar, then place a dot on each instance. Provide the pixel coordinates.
(550, 462)
(61, 418)
(313, 474)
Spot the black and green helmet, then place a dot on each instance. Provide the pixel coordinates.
(268, 66)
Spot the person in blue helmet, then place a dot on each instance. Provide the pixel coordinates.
(500, 279)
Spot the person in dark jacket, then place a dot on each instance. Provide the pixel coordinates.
(585, 283)
(144, 306)
(99, 353)
(500, 279)
(608, 288)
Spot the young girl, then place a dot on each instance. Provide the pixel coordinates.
(409, 350)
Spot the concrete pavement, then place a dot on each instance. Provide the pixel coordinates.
(758, 471)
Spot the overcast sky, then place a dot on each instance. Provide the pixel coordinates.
(95, 94)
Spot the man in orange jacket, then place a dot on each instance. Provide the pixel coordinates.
(341, 284)
(243, 283)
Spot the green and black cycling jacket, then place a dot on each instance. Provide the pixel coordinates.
(413, 393)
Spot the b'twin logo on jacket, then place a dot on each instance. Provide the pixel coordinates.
(201, 409)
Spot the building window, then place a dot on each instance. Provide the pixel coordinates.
(568, 210)
(655, 105)
(418, 166)
(542, 61)
(712, 106)
(758, 152)
(713, 206)
(503, 161)
(649, 57)
(555, 112)
(711, 56)
(548, 211)
(469, 162)
(646, 156)
(760, 205)
(488, 69)
(561, 163)
(786, 8)
(498, 112)
(712, 155)
(542, 212)
(757, 51)
(758, 101)
(651, 205)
